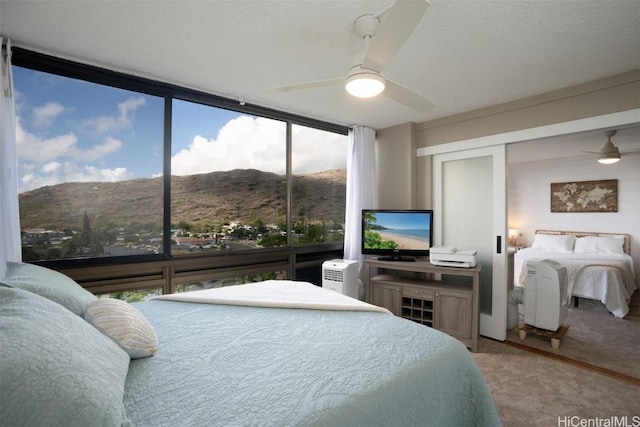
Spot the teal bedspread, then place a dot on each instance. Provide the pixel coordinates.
(220, 365)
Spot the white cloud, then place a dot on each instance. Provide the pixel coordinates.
(51, 167)
(43, 116)
(110, 145)
(315, 150)
(42, 161)
(91, 174)
(31, 148)
(105, 124)
(34, 149)
(259, 143)
(54, 173)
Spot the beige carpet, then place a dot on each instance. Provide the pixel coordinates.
(533, 390)
(596, 337)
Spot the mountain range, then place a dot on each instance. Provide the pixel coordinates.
(241, 195)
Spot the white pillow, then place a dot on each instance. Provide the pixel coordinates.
(611, 245)
(554, 242)
(125, 325)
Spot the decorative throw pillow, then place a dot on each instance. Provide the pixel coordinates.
(554, 242)
(610, 245)
(55, 368)
(124, 324)
(49, 284)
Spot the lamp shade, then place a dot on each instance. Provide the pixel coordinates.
(365, 85)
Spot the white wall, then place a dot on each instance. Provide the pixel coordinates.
(529, 198)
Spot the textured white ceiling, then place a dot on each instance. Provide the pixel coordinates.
(464, 55)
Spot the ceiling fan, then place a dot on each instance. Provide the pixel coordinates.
(383, 34)
(609, 153)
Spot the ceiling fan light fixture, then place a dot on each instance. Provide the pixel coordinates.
(609, 154)
(608, 159)
(365, 85)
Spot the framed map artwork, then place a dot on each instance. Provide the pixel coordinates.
(585, 196)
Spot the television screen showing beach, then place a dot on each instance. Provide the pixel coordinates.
(397, 230)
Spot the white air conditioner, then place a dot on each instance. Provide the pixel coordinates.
(546, 303)
(341, 275)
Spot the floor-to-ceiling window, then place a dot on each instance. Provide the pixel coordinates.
(114, 168)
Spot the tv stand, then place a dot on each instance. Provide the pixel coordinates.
(408, 290)
(397, 258)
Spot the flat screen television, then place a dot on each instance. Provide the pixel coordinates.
(397, 235)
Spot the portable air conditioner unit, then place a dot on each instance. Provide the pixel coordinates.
(341, 275)
(546, 303)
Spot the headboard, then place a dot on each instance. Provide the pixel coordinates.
(627, 237)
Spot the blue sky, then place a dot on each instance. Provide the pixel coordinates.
(70, 130)
(402, 221)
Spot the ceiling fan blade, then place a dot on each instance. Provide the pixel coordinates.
(309, 85)
(393, 32)
(624, 153)
(406, 97)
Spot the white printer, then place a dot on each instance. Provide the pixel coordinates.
(450, 256)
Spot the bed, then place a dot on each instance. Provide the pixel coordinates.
(272, 353)
(599, 265)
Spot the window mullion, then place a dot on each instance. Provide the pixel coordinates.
(289, 183)
(166, 181)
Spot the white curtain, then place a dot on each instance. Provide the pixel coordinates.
(362, 189)
(10, 249)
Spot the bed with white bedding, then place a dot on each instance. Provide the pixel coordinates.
(272, 353)
(599, 265)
